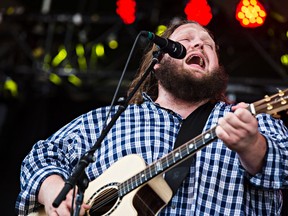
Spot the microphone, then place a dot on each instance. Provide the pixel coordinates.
(173, 48)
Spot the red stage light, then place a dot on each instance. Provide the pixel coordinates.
(198, 10)
(126, 9)
(250, 13)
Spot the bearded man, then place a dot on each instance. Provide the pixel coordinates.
(241, 172)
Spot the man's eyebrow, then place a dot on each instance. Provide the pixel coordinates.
(207, 37)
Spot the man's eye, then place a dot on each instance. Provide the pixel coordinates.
(209, 45)
(184, 39)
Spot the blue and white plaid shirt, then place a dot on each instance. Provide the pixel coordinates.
(216, 185)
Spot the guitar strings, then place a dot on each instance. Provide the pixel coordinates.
(154, 168)
(107, 196)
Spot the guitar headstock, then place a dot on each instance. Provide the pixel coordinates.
(272, 104)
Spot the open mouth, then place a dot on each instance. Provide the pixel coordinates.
(196, 60)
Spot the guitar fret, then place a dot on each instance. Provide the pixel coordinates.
(132, 183)
(128, 185)
(175, 157)
(187, 148)
(165, 162)
(159, 166)
(136, 182)
(192, 146)
(122, 188)
(150, 171)
(170, 159)
(203, 138)
(153, 170)
(143, 177)
(182, 152)
(206, 138)
(140, 178)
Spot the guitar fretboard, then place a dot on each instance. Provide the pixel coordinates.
(170, 160)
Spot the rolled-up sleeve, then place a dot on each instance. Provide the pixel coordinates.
(52, 156)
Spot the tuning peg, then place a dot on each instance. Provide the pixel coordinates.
(267, 98)
(283, 101)
(276, 115)
(281, 93)
(269, 106)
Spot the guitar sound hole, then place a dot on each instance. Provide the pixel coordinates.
(104, 202)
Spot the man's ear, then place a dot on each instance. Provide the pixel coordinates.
(160, 57)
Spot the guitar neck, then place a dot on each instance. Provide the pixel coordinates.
(169, 161)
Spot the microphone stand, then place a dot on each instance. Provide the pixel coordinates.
(82, 184)
(88, 157)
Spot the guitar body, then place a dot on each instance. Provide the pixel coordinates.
(102, 193)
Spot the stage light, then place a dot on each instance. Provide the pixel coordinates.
(112, 41)
(93, 57)
(46, 62)
(10, 11)
(284, 59)
(250, 13)
(99, 50)
(68, 69)
(198, 10)
(82, 63)
(80, 50)
(126, 9)
(54, 78)
(74, 80)
(38, 52)
(160, 29)
(11, 86)
(113, 44)
(62, 54)
(81, 57)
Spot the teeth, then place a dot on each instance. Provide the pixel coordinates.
(201, 62)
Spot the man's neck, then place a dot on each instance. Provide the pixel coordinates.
(178, 106)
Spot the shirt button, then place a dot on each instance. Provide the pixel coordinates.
(173, 206)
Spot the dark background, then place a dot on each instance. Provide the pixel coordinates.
(40, 107)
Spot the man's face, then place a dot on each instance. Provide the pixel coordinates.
(198, 76)
(201, 57)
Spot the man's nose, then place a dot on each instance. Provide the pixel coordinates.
(197, 44)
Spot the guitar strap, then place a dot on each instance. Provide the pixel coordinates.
(191, 127)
